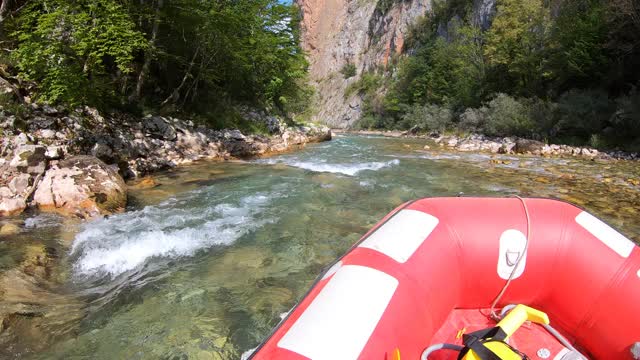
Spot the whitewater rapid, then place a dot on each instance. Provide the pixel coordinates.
(125, 242)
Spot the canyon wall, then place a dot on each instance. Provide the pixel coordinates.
(365, 33)
(340, 32)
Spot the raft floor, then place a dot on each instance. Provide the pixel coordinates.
(529, 339)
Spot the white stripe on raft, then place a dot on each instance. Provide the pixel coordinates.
(401, 236)
(340, 320)
(613, 239)
(332, 270)
(561, 354)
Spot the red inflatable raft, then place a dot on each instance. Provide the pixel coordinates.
(429, 272)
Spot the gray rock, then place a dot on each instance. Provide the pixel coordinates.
(234, 135)
(159, 128)
(30, 159)
(41, 122)
(49, 110)
(102, 152)
(20, 184)
(524, 146)
(47, 134)
(9, 122)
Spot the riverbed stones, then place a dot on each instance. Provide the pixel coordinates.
(83, 186)
(9, 229)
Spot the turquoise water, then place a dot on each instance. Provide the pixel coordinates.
(205, 262)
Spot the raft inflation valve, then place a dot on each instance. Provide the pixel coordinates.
(543, 353)
(635, 351)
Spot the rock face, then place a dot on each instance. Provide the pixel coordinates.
(83, 186)
(340, 32)
(367, 34)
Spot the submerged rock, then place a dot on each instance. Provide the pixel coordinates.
(9, 229)
(29, 310)
(83, 186)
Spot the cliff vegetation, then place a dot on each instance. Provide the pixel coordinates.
(564, 71)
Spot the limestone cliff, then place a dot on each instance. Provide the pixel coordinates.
(365, 33)
(358, 32)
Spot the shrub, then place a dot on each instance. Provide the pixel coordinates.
(626, 120)
(507, 116)
(348, 70)
(583, 113)
(473, 120)
(368, 83)
(544, 116)
(428, 118)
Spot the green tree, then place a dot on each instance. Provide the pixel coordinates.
(76, 50)
(516, 46)
(578, 41)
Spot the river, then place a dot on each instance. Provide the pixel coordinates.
(209, 256)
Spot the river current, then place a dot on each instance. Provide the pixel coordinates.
(208, 257)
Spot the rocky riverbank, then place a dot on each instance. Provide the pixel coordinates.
(75, 162)
(506, 145)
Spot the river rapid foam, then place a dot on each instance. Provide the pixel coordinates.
(125, 242)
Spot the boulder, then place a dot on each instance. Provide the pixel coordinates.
(83, 186)
(524, 146)
(159, 128)
(274, 125)
(234, 135)
(103, 152)
(30, 159)
(12, 206)
(20, 184)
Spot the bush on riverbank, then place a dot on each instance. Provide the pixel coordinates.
(578, 118)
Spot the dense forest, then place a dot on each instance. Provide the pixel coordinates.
(206, 58)
(553, 70)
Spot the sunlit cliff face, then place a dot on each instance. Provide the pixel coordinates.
(340, 32)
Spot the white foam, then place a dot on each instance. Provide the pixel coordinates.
(345, 169)
(42, 221)
(125, 242)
